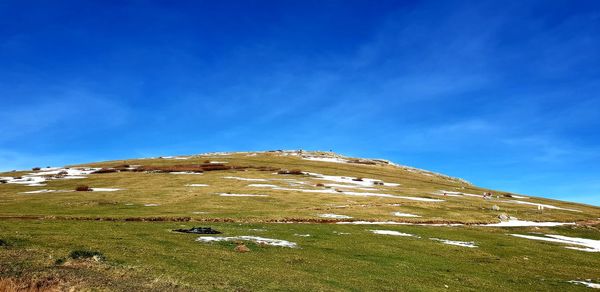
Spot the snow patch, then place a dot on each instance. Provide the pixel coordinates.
(259, 240)
(587, 284)
(400, 214)
(245, 178)
(334, 216)
(589, 245)
(196, 185)
(540, 205)
(391, 232)
(470, 244)
(105, 190)
(521, 223)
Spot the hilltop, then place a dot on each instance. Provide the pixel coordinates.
(292, 220)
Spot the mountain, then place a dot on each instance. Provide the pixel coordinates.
(284, 220)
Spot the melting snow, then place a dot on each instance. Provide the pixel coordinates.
(326, 159)
(196, 185)
(541, 205)
(105, 190)
(151, 205)
(259, 240)
(396, 223)
(522, 223)
(457, 243)
(335, 216)
(365, 182)
(590, 245)
(302, 235)
(400, 214)
(184, 172)
(391, 232)
(588, 284)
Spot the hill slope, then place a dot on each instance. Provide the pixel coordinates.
(352, 223)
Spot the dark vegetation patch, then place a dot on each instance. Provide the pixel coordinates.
(36, 168)
(80, 254)
(293, 172)
(357, 179)
(362, 161)
(197, 168)
(199, 230)
(3, 243)
(83, 189)
(3, 181)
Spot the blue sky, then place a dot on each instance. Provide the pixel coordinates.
(501, 93)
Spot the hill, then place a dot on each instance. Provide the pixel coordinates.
(288, 220)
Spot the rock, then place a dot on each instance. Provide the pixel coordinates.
(495, 208)
(241, 248)
(503, 217)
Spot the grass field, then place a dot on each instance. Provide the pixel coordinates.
(132, 229)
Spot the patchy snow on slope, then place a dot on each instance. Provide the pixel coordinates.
(585, 283)
(400, 214)
(301, 235)
(151, 205)
(196, 185)
(540, 205)
(365, 182)
(38, 178)
(105, 189)
(589, 245)
(334, 216)
(259, 240)
(262, 186)
(470, 244)
(326, 159)
(397, 223)
(244, 178)
(39, 191)
(391, 232)
(240, 195)
(349, 193)
(521, 223)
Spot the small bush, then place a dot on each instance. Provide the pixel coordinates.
(507, 195)
(59, 261)
(86, 254)
(378, 183)
(83, 189)
(36, 169)
(320, 185)
(18, 177)
(357, 179)
(3, 181)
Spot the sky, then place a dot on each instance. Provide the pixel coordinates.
(504, 94)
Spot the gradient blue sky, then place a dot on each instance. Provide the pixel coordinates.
(501, 93)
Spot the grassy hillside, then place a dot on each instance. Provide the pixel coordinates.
(355, 224)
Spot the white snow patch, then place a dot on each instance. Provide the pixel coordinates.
(151, 205)
(587, 284)
(105, 190)
(395, 223)
(302, 235)
(590, 245)
(39, 192)
(259, 240)
(365, 182)
(400, 214)
(325, 159)
(540, 205)
(457, 243)
(334, 216)
(245, 178)
(391, 232)
(522, 223)
(241, 195)
(196, 185)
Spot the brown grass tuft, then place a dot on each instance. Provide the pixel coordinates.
(83, 188)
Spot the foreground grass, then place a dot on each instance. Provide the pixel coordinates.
(161, 259)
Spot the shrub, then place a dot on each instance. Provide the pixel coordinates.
(83, 189)
(59, 261)
(357, 179)
(36, 169)
(86, 254)
(507, 195)
(320, 185)
(3, 181)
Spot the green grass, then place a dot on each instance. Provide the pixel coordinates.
(149, 256)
